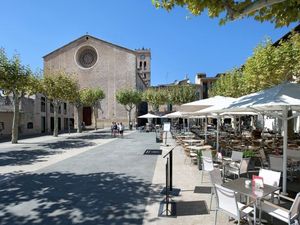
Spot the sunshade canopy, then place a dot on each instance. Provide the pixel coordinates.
(203, 103)
(226, 101)
(272, 99)
(149, 116)
(176, 114)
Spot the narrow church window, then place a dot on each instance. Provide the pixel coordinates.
(141, 64)
(145, 65)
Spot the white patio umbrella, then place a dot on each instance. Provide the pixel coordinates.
(203, 103)
(176, 114)
(278, 99)
(148, 116)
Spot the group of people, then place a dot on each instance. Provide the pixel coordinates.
(117, 128)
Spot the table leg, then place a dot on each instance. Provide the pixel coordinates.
(254, 212)
(259, 213)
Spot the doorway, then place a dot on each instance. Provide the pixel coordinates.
(87, 116)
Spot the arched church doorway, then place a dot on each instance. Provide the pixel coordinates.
(87, 116)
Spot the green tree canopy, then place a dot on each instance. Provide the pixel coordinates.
(58, 86)
(279, 12)
(156, 97)
(129, 98)
(77, 99)
(181, 94)
(230, 84)
(271, 65)
(268, 66)
(16, 80)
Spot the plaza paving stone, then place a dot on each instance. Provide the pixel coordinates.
(108, 184)
(93, 179)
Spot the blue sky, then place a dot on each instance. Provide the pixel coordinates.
(179, 46)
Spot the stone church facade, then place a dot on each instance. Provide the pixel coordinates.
(100, 64)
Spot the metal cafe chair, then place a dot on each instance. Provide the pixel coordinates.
(228, 204)
(215, 178)
(289, 216)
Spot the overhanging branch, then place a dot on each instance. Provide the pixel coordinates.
(254, 6)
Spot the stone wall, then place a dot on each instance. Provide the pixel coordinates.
(113, 69)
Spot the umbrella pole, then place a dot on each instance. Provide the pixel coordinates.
(235, 125)
(240, 124)
(205, 127)
(285, 137)
(218, 129)
(263, 124)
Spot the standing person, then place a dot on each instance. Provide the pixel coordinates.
(118, 128)
(115, 129)
(121, 129)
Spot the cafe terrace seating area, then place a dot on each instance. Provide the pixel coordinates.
(255, 172)
(231, 169)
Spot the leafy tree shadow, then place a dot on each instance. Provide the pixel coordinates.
(23, 157)
(67, 198)
(92, 136)
(65, 144)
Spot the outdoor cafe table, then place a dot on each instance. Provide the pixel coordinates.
(198, 148)
(256, 194)
(192, 141)
(185, 136)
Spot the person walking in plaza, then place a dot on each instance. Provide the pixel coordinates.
(114, 129)
(121, 129)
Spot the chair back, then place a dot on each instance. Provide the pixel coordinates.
(207, 153)
(295, 209)
(244, 165)
(270, 177)
(215, 176)
(207, 164)
(227, 201)
(276, 162)
(236, 156)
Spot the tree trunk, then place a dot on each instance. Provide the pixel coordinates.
(55, 131)
(95, 116)
(15, 125)
(129, 118)
(79, 127)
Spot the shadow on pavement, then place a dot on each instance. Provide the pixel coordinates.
(92, 136)
(67, 198)
(65, 144)
(23, 157)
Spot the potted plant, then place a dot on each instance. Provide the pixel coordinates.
(250, 154)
